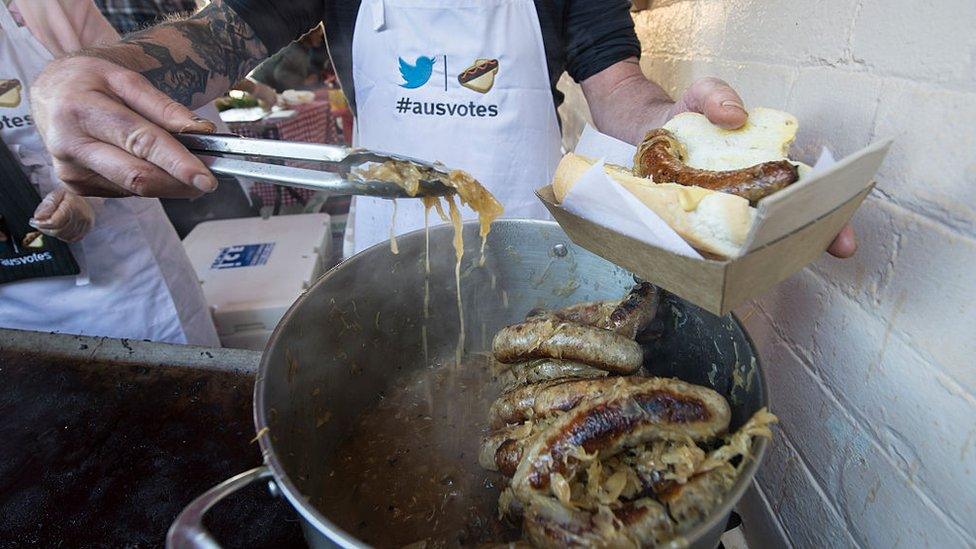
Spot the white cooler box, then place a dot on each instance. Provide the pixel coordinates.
(253, 269)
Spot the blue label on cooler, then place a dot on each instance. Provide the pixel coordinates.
(244, 255)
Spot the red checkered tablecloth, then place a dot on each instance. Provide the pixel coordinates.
(312, 123)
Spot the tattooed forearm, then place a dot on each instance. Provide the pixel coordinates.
(181, 80)
(192, 60)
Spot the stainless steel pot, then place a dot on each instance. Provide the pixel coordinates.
(354, 343)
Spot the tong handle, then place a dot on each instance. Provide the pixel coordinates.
(229, 154)
(262, 148)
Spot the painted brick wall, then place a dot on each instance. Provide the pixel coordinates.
(871, 361)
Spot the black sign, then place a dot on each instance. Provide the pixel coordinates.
(24, 252)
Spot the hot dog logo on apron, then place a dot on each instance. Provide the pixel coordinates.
(479, 76)
(12, 97)
(10, 93)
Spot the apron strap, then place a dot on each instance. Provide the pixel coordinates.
(7, 23)
(379, 15)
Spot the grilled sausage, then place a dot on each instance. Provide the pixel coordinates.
(502, 449)
(639, 523)
(544, 399)
(549, 337)
(691, 502)
(636, 311)
(590, 313)
(635, 410)
(548, 369)
(661, 156)
(627, 317)
(570, 413)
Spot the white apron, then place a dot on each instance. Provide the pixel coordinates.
(136, 281)
(502, 127)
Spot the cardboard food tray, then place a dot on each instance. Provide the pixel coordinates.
(792, 229)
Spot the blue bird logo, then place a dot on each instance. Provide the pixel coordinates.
(418, 74)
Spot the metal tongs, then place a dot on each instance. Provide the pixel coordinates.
(263, 159)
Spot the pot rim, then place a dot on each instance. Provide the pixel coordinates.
(340, 537)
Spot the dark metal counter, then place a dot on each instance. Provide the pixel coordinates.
(102, 443)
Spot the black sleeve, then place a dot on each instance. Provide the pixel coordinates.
(277, 23)
(598, 34)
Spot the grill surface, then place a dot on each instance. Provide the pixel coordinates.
(103, 442)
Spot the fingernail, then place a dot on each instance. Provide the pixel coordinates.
(734, 104)
(210, 125)
(43, 211)
(32, 222)
(194, 127)
(196, 122)
(205, 183)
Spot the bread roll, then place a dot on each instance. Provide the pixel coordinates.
(765, 137)
(711, 221)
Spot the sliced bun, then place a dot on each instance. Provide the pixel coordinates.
(766, 137)
(711, 221)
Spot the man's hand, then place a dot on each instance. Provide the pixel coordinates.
(106, 115)
(626, 105)
(63, 215)
(844, 244)
(716, 100)
(107, 129)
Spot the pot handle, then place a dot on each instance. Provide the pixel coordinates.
(188, 532)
